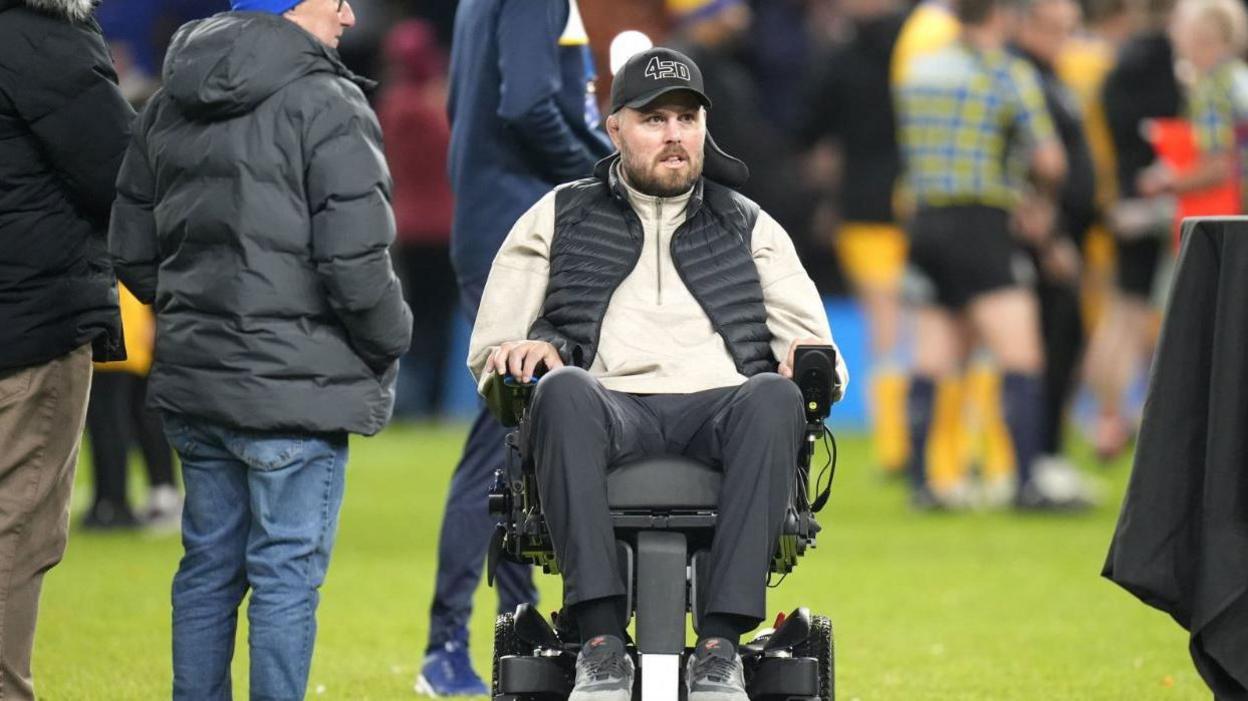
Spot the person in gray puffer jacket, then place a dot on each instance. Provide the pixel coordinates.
(254, 211)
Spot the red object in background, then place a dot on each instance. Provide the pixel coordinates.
(412, 113)
(1175, 143)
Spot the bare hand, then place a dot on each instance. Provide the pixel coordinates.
(522, 358)
(1060, 261)
(786, 366)
(1034, 218)
(1155, 180)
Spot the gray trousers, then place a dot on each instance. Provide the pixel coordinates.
(42, 412)
(578, 430)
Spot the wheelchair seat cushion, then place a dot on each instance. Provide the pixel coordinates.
(664, 483)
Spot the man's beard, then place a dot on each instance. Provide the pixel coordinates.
(651, 178)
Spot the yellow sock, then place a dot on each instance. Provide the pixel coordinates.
(947, 441)
(984, 396)
(888, 419)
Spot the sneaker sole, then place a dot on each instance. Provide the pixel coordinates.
(424, 688)
(717, 696)
(601, 696)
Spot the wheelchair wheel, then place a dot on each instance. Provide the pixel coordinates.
(505, 643)
(820, 647)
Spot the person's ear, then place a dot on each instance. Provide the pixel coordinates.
(613, 129)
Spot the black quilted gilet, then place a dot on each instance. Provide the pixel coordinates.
(598, 240)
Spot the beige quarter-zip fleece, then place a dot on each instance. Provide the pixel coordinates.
(655, 336)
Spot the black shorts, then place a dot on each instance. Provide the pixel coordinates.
(962, 252)
(1138, 262)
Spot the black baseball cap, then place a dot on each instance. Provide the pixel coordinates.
(652, 73)
(658, 71)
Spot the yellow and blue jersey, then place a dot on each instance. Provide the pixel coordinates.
(965, 116)
(930, 27)
(1218, 110)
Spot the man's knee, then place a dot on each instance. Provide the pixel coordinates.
(772, 403)
(564, 395)
(566, 383)
(769, 390)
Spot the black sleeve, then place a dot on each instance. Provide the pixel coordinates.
(132, 239)
(72, 105)
(348, 190)
(1124, 114)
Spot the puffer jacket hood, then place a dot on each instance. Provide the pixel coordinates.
(225, 65)
(73, 10)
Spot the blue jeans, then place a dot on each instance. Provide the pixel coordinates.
(261, 512)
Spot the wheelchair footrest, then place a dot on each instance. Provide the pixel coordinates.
(523, 675)
(784, 677)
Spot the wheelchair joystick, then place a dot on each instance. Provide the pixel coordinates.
(814, 371)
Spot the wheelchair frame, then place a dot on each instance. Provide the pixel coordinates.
(664, 574)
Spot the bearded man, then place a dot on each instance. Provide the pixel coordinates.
(665, 308)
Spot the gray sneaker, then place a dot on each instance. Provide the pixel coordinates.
(714, 672)
(604, 671)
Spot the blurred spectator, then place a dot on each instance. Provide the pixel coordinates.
(1083, 65)
(1140, 87)
(779, 54)
(412, 111)
(1044, 27)
(712, 32)
(132, 24)
(1210, 37)
(117, 419)
(63, 130)
(851, 105)
(138, 33)
(136, 84)
(966, 425)
(523, 119)
(961, 110)
(253, 208)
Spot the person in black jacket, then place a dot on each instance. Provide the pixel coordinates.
(1141, 86)
(253, 212)
(63, 130)
(1043, 30)
(524, 118)
(850, 103)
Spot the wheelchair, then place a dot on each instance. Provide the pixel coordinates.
(663, 510)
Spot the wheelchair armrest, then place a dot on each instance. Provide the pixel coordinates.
(507, 398)
(814, 371)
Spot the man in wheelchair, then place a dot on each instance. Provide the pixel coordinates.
(664, 309)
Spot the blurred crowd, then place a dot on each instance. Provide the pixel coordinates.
(1146, 101)
(995, 184)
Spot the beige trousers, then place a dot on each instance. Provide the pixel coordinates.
(42, 411)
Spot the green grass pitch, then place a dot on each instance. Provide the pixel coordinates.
(987, 606)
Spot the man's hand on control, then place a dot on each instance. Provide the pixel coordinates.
(521, 359)
(786, 367)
